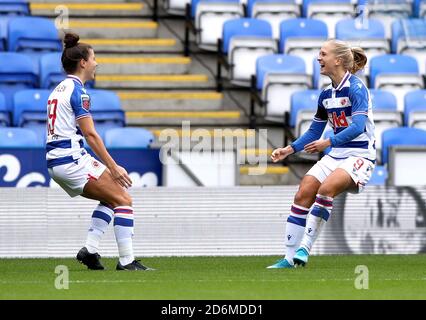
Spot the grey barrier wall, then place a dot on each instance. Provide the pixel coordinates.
(46, 222)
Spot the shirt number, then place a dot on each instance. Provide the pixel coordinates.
(51, 111)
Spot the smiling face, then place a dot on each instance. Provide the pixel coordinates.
(328, 60)
(89, 66)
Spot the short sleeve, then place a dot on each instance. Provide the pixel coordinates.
(321, 114)
(80, 103)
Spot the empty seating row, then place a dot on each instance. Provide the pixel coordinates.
(29, 110)
(128, 137)
(209, 16)
(16, 35)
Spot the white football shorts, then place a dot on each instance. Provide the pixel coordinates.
(360, 170)
(72, 177)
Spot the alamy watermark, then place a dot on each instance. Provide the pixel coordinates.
(203, 147)
(63, 277)
(361, 281)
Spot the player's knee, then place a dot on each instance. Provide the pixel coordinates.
(303, 198)
(326, 190)
(122, 199)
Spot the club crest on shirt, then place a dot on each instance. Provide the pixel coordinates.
(85, 102)
(95, 164)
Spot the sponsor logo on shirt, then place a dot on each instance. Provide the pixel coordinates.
(85, 102)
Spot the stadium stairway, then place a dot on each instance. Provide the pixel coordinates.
(142, 61)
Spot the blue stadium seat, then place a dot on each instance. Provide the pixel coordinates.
(106, 110)
(389, 11)
(409, 38)
(392, 64)
(330, 11)
(354, 29)
(303, 38)
(14, 7)
(128, 138)
(383, 100)
(419, 8)
(3, 32)
(303, 107)
(30, 107)
(273, 11)
(244, 40)
(415, 109)
(279, 76)
(42, 35)
(401, 136)
(4, 112)
(18, 138)
(379, 176)
(210, 15)
(51, 71)
(17, 72)
(244, 27)
(396, 73)
(386, 115)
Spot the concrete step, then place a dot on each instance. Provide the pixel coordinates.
(159, 81)
(112, 28)
(134, 45)
(138, 64)
(169, 100)
(256, 152)
(176, 118)
(79, 9)
(271, 174)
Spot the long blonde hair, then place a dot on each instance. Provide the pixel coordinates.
(353, 58)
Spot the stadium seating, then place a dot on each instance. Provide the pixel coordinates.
(30, 111)
(3, 32)
(415, 109)
(279, 76)
(210, 16)
(330, 11)
(4, 112)
(419, 8)
(29, 107)
(379, 176)
(389, 11)
(18, 138)
(303, 38)
(244, 40)
(303, 107)
(51, 71)
(385, 115)
(368, 34)
(176, 6)
(42, 35)
(106, 110)
(409, 38)
(401, 136)
(14, 7)
(128, 138)
(273, 11)
(16, 72)
(396, 73)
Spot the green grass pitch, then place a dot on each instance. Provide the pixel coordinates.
(214, 278)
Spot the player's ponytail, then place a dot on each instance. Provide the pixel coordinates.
(360, 59)
(353, 59)
(73, 52)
